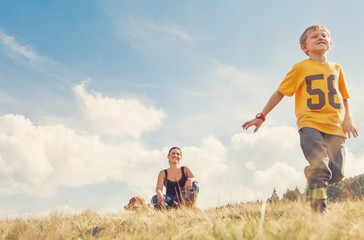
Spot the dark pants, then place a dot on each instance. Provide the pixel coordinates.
(325, 154)
(174, 201)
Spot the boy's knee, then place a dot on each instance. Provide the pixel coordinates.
(336, 178)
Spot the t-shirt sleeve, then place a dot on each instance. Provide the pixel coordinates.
(289, 84)
(342, 85)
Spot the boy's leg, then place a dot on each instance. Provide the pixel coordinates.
(336, 153)
(318, 172)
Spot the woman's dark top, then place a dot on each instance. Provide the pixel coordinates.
(173, 187)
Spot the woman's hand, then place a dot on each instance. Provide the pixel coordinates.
(160, 198)
(159, 188)
(188, 185)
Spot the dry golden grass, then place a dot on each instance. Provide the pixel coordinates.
(292, 220)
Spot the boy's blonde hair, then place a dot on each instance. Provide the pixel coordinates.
(309, 29)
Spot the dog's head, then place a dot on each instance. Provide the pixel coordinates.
(135, 203)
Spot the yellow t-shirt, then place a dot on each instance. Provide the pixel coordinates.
(319, 92)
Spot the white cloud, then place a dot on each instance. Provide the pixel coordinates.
(59, 211)
(250, 165)
(237, 93)
(282, 137)
(240, 83)
(281, 176)
(62, 211)
(244, 171)
(15, 47)
(354, 164)
(208, 160)
(21, 154)
(234, 74)
(116, 117)
(271, 158)
(270, 145)
(26, 55)
(35, 159)
(146, 34)
(209, 163)
(8, 214)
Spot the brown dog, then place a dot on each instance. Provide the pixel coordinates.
(136, 203)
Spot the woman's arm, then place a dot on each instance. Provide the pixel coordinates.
(159, 188)
(191, 178)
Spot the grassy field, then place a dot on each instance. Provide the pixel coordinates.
(281, 220)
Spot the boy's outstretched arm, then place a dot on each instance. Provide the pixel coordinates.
(348, 124)
(257, 122)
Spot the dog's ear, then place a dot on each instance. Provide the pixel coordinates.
(139, 199)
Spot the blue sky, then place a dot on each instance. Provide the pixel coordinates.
(94, 93)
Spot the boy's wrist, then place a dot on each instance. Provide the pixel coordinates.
(260, 116)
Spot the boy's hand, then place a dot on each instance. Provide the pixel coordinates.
(350, 128)
(260, 117)
(257, 122)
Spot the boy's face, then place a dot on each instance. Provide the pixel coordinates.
(317, 42)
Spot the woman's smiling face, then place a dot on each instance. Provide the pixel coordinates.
(175, 156)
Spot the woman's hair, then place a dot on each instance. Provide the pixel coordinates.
(309, 29)
(170, 150)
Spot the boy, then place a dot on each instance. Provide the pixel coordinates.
(323, 113)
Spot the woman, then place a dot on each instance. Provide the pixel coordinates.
(180, 183)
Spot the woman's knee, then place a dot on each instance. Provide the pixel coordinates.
(195, 187)
(154, 200)
(195, 190)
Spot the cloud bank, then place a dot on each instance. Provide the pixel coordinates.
(116, 117)
(36, 159)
